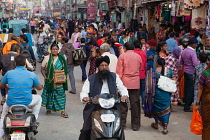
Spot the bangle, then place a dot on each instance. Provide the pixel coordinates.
(197, 103)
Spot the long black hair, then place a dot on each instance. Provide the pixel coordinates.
(162, 62)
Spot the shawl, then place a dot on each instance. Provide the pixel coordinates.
(50, 73)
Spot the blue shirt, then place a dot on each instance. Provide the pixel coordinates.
(29, 36)
(151, 61)
(20, 82)
(84, 33)
(171, 43)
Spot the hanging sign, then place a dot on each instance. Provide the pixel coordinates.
(91, 10)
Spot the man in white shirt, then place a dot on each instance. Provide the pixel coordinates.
(105, 51)
(40, 40)
(102, 82)
(46, 27)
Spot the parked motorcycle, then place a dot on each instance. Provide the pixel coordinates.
(20, 123)
(106, 119)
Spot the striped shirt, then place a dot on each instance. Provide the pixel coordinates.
(20, 82)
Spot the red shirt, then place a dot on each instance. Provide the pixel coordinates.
(142, 73)
(100, 42)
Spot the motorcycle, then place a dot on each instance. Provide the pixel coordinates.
(20, 123)
(106, 119)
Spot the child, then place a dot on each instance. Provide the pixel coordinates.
(145, 46)
(92, 58)
(203, 57)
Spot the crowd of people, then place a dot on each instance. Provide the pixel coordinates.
(127, 61)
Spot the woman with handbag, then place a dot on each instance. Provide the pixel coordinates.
(54, 71)
(157, 99)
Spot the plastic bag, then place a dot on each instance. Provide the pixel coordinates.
(196, 125)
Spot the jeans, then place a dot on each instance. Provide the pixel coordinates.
(83, 67)
(188, 90)
(35, 105)
(142, 90)
(39, 51)
(71, 77)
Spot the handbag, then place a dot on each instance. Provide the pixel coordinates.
(166, 84)
(196, 125)
(59, 77)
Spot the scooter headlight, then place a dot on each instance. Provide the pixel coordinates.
(97, 124)
(8, 122)
(117, 124)
(106, 103)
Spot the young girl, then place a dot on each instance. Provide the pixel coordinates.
(145, 46)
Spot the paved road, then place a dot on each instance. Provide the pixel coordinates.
(55, 127)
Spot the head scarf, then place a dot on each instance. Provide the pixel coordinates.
(101, 60)
(176, 52)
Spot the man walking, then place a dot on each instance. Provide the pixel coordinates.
(128, 67)
(67, 49)
(171, 42)
(189, 60)
(105, 51)
(40, 40)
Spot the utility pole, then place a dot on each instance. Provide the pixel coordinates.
(127, 14)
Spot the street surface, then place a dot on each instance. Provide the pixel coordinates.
(55, 127)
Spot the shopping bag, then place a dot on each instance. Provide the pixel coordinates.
(196, 125)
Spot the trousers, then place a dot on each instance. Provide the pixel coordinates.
(83, 67)
(71, 77)
(35, 105)
(135, 109)
(188, 90)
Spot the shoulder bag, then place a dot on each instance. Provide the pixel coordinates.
(59, 77)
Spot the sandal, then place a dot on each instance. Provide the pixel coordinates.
(64, 115)
(165, 131)
(155, 126)
(48, 113)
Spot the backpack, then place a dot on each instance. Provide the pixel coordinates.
(79, 55)
(160, 35)
(26, 52)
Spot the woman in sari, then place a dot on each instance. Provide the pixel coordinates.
(157, 101)
(60, 31)
(75, 38)
(53, 96)
(203, 96)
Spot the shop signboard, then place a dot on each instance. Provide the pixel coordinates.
(91, 10)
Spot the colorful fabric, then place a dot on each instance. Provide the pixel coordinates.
(60, 64)
(198, 71)
(176, 52)
(162, 100)
(55, 100)
(199, 17)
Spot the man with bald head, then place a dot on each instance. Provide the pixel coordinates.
(102, 82)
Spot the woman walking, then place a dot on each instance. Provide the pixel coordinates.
(75, 38)
(158, 102)
(53, 96)
(204, 98)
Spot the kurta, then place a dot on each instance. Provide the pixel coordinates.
(128, 67)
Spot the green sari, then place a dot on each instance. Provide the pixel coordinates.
(54, 97)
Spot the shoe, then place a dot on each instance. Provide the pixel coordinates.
(135, 129)
(188, 110)
(72, 92)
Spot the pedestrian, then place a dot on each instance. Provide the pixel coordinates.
(67, 50)
(151, 53)
(71, 28)
(32, 25)
(162, 52)
(113, 49)
(109, 83)
(145, 46)
(128, 67)
(84, 63)
(103, 39)
(75, 38)
(40, 40)
(160, 100)
(203, 57)
(10, 34)
(141, 33)
(206, 48)
(124, 38)
(53, 95)
(84, 32)
(105, 51)
(142, 73)
(8, 45)
(4, 37)
(92, 59)
(203, 101)
(189, 61)
(171, 42)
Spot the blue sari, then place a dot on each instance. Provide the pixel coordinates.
(161, 102)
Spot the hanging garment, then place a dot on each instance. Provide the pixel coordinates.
(199, 18)
(182, 10)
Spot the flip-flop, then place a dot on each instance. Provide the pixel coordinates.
(165, 131)
(64, 115)
(153, 125)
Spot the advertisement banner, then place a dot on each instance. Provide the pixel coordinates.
(91, 10)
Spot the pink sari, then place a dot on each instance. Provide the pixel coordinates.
(75, 43)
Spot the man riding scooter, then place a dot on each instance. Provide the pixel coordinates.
(20, 83)
(102, 82)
